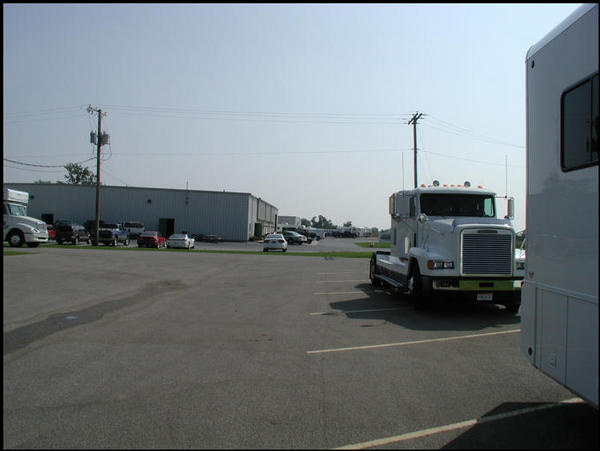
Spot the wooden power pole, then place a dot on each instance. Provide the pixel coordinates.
(413, 121)
(100, 139)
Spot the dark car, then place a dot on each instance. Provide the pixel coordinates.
(70, 232)
(151, 238)
(207, 238)
(294, 237)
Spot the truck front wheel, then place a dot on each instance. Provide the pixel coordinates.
(373, 271)
(415, 289)
(16, 239)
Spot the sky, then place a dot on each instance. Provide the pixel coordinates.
(303, 105)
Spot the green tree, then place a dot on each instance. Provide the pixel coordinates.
(348, 224)
(322, 223)
(305, 222)
(78, 175)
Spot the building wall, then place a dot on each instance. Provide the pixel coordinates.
(209, 212)
(262, 213)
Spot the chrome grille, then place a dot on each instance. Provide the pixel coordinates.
(486, 253)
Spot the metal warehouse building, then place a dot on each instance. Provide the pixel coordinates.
(233, 216)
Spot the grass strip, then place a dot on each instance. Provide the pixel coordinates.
(357, 254)
(375, 244)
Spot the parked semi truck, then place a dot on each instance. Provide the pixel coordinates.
(18, 227)
(447, 243)
(559, 314)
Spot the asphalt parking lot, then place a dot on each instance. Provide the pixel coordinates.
(127, 349)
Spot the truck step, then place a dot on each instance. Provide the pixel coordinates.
(399, 285)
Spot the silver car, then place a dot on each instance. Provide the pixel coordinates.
(274, 241)
(181, 241)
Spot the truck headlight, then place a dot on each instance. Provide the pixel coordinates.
(440, 264)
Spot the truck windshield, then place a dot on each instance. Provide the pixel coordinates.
(16, 210)
(458, 205)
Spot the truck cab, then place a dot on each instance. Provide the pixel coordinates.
(448, 243)
(18, 228)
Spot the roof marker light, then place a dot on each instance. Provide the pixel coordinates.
(436, 183)
(467, 184)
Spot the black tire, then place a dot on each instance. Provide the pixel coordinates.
(15, 239)
(285, 250)
(513, 308)
(372, 271)
(59, 242)
(415, 288)
(265, 250)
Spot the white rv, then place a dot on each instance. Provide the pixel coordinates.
(18, 227)
(446, 242)
(559, 313)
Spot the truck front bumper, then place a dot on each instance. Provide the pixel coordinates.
(496, 291)
(36, 237)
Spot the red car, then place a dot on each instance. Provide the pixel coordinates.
(151, 239)
(51, 233)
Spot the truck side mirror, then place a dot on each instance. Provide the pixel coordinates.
(422, 218)
(510, 208)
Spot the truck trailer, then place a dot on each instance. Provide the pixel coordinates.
(448, 244)
(559, 314)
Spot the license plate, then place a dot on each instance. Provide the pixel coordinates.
(484, 296)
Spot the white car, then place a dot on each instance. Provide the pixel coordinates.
(274, 241)
(181, 241)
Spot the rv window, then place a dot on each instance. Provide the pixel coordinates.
(579, 125)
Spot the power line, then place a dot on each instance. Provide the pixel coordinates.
(461, 131)
(471, 160)
(45, 166)
(32, 170)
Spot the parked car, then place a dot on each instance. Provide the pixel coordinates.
(294, 237)
(70, 232)
(134, 228)
(51, 231)
(274, 241)
(207, 238)
(180, 240)
(150, 238)
(110, 234)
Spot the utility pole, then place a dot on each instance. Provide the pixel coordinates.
(413, 121)
(100, 141)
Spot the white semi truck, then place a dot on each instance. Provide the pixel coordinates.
(19, 228)
(447, 243)
(559, 312)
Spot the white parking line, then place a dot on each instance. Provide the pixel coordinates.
(454, 426)
(406, 343)
(360, 311)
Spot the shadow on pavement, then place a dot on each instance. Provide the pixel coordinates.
(382, 304)
(560, 426)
